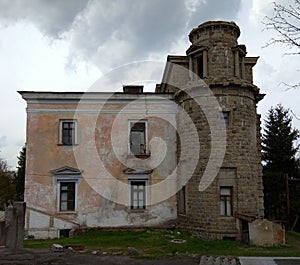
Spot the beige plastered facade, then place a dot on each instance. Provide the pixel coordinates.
(99, 162)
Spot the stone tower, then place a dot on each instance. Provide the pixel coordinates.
(234, 196)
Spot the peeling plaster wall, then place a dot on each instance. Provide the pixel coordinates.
(107, 133)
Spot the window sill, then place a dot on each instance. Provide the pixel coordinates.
(140, 156)
(138, 211)
(67, 145)
(226, 217)
(66, 212)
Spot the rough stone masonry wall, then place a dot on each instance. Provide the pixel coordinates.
(241, 166)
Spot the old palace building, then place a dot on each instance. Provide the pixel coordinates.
(187, 154)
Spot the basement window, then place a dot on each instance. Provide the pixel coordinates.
(64, 233)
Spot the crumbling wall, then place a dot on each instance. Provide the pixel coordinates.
(263, 232)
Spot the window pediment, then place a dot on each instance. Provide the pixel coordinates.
(66, 171)
(137, 171)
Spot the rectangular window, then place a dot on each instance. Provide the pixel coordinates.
(137, 138)
(226, 201)
(182, 201)
(200, 70)
(138, 194)
(67, 132)
(67, 196)
(225, 116)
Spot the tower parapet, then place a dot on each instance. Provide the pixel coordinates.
(215, 31)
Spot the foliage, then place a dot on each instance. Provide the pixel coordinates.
(279, 156)
(153, 243)
(20, 177)
(7, 187)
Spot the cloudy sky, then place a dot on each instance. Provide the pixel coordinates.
(66, 45)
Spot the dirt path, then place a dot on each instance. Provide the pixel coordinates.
(47, 257)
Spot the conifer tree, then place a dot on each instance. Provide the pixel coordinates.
(20, 177)
(279, 157)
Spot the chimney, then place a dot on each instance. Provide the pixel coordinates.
(133, 89)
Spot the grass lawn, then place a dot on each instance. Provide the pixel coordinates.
(153, 243)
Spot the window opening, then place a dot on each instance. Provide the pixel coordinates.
(226, 201)
(67, 196)
(138, 138)
(138, 195)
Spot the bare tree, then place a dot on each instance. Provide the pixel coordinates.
(286, 23)
(7, 186)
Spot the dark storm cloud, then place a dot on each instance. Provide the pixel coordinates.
(49, 16)
(114, 32)
(117, 32)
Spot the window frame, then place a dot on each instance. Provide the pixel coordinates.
(200, 65)
(225, 120)
(145, 194)
(146, 148)
(63, 175)
(224, 199)
(65, 180)
(61, 129)
(182, 203)
(61, 191)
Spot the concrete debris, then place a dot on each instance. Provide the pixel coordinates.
(132, 251)
(208, 260)
(57, 247)
(178, 241)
